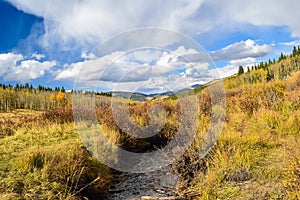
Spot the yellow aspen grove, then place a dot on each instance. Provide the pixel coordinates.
(52, 97)
(61, 98)
(52, 100)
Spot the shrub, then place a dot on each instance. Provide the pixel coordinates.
(59, 115)
(291, 180)
(65, 173)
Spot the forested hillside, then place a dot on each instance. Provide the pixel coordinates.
(266, 71)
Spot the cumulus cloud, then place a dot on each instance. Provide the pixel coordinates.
(138, 65)
(181, 67)
(13, 67)
(241, 50)
(115, 67)
(90, 70)
(236, 51)
(88, 56)
(181, 58)
(8, 60)
(195, 73)
(149, 70)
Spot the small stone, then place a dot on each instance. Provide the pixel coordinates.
(162, 198)
(149, 198)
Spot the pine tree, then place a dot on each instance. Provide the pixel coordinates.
(281, 57)
(270, 62)
(248, 69)
(295, 51)
(268, 76)
(241, 70)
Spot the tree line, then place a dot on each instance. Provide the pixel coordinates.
(28, 97)
(268, 71)
(25, 96)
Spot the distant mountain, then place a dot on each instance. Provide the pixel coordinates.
(142, 97)
(185, 89)
(130, 95)
(161, 94)
(196, 85)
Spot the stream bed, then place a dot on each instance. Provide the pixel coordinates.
(160, 183)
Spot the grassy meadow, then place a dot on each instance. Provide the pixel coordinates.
(42, 159)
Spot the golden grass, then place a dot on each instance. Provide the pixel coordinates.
(48, 161)
(257, 154)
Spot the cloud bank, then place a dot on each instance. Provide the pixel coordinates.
(91, 21)
(177, 69)
(152, 70)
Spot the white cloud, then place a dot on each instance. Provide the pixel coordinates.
(143, 70)
(73, 24)
(138, 68)
(240, 50)
(90, 21)
(38, 56)
(182, 58)
(8, 60)
(223, 72)
(134, 66)
(146, 68)
(195, 73)
(265, 13)
(94, 20)
(291, 43)
(13, 67)
(82, 24)
(88, 56)
(232, 67)
(244, 62)
(90, 70)
(68, 72)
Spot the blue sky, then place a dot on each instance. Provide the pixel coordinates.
(57, 43)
